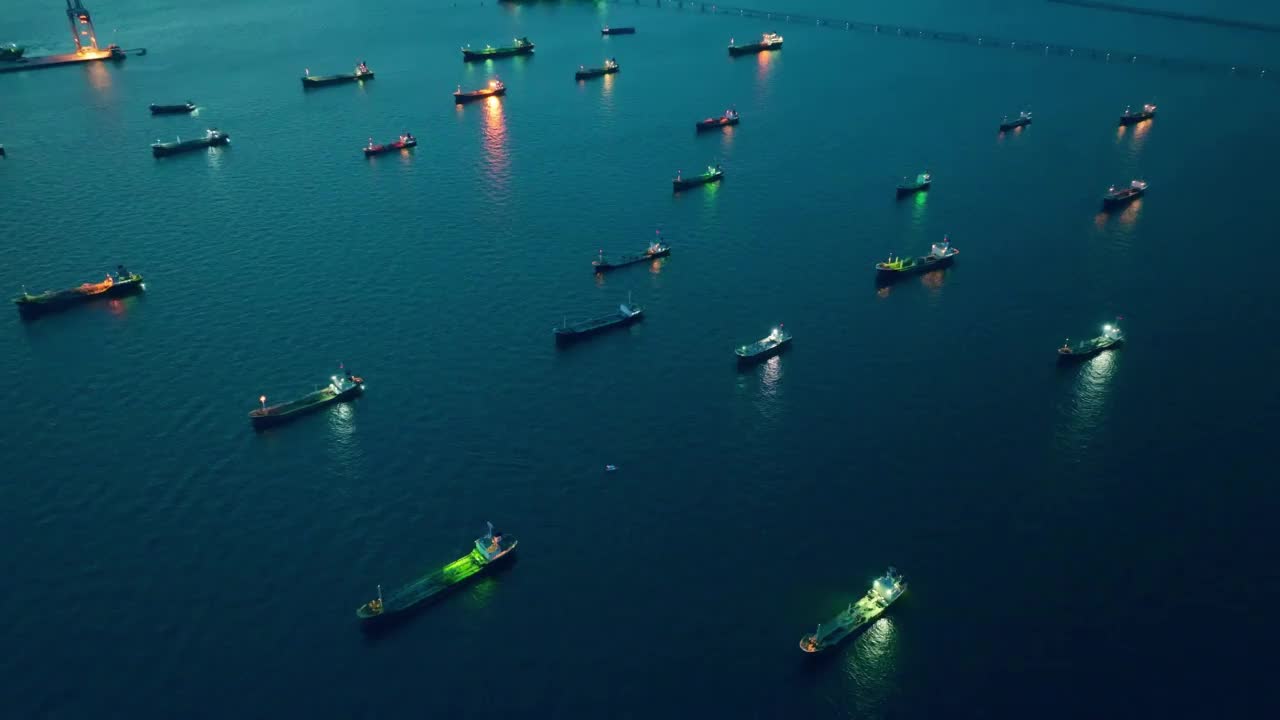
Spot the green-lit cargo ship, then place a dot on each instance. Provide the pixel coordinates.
(884, 591)
(1110, 337)
(522, 46)
(340, 387)
(120, 284)
(488, 550)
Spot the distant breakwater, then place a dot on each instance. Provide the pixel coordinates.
(1115, 56)
(1172, 15)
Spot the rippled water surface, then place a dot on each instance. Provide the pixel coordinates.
(1075, 537)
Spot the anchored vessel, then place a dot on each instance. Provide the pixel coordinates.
(210, 139)
(922, 182)
(495, 88)
(82, 34)
(492, 547)
(362, 72)
(118, 285)
(406, 140)
(1023, 119)
(657, 249)
(610, 67)
(940, 255)
(1116, 197)
(626, 314)
(186, 107)
(522, 46)
(606, 30)
(1, 151)
(340, 387)
(730, 117)
(884, 591)
(768, 41)
(680, 182)
(1110, 336)
(765, 347)
(1129, 117)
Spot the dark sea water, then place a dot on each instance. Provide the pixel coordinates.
(1096, 541)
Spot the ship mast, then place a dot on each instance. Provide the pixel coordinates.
(81, 24)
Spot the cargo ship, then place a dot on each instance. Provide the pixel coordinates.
(941, 254)
(495, 88)
(120, 284)
(921, 183)
(1023, 119)
(606, 30)
(1116, 197)
(340, 387)
(1110, 337)
(766, 347)
(362, 72)
(1128, 117)
(680, 182)
(406, 140)
(768, 41)
(211, 138)
(186, 107)
(522, 46)
(730, 117)
(13, 52)
(883, 593)
(1, 151)
(626, 314)
(610, 67)
(488, 550)
(657, 249)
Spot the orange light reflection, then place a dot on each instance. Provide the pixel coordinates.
(495, 143)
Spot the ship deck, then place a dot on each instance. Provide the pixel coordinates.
(50, 61)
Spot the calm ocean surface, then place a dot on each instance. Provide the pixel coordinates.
(1080, 542)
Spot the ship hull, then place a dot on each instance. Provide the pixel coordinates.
(623, 262)
(315, 81)
(753, 48)
(912, 189)
(69, 298)
(1014, 125)
(593, 73)
(762, 355)
(480, 55)
(171, 109)
(593, 327)
(686, 183)
(618, 31)
(1079, 353)
(1135, 119)
(460, 98)
(925, 264)
(389, 147)
(1115, 202)
(188, 146)
(704, 126)
(439, 585)
(304, 407)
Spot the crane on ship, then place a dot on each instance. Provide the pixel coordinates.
(81, 26)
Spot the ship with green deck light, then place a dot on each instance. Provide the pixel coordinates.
(488, 550)
(884, 591)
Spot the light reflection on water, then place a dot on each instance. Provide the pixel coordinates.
(495, 147)
(764, 68)
(871, 665)
(1086, 406)
(99, 76)
(764, 383)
